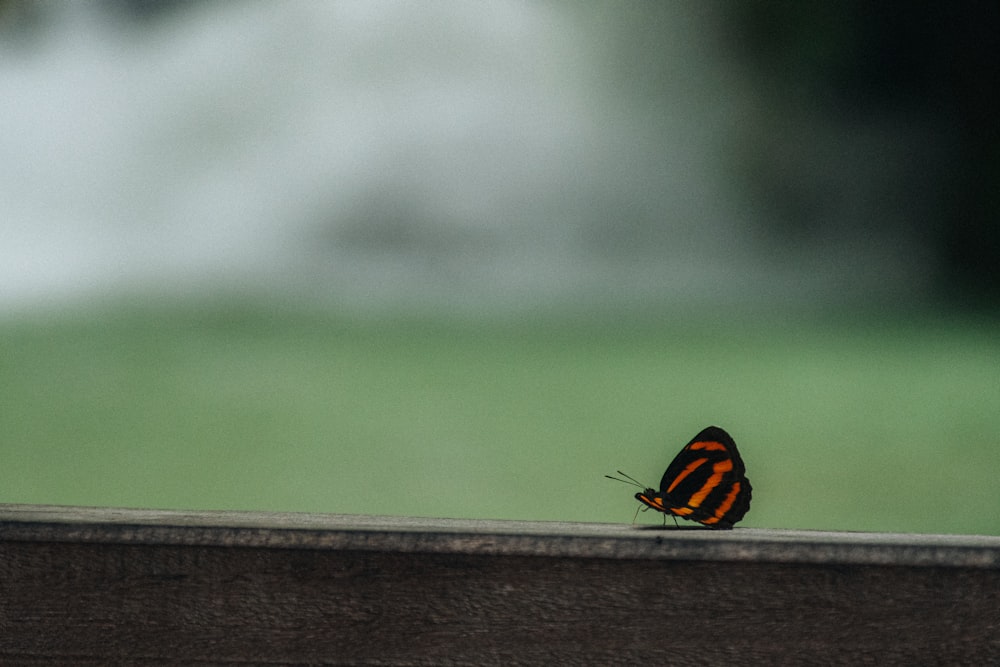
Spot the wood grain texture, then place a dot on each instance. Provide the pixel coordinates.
(95, 586)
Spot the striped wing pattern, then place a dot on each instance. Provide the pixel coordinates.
(706, 482)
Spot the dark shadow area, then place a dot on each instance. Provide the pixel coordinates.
(926, 72)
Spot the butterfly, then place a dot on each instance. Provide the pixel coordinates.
(706, 482)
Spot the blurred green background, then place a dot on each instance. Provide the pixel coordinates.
(422, 259)
(884, 423)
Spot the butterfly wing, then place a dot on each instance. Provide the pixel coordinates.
(706, 482)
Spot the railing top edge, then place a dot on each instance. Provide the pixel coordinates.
(48, 523)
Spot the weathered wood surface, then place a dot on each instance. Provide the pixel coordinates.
(112, 586)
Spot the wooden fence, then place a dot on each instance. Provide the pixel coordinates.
(112, 586)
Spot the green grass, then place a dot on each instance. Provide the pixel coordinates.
(877, 424)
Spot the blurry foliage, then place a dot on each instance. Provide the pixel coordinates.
(875, 126)
(936, 62)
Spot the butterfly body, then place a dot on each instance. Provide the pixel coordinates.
(706, 482)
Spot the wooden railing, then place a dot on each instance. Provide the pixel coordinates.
(114, 586)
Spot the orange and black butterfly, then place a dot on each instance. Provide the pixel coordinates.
(706, 483)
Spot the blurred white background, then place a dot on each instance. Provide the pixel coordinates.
(380, 153)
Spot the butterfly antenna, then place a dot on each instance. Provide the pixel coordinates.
(628, 479)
